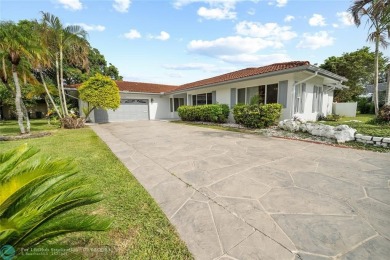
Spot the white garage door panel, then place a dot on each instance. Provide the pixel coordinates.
(129, 110)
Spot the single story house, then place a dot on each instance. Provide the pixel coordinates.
(304, 90)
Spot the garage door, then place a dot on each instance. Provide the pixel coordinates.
(129, 110)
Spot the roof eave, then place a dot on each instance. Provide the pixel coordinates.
(268, 74)
(326, 73)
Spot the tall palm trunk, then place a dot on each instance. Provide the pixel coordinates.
(376, 72)
(388, 87)
(59, 84)
(26, 117)
(18, 98)
(48, 94)
(62, 83)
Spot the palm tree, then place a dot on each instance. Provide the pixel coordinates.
(38, 196)
(378, 17)
(16, 45)
(62, 38)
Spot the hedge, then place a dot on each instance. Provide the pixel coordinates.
(257, 116)
(218, 113)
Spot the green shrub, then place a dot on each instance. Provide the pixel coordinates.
(365, 105)
(217, 113)
(257, 116)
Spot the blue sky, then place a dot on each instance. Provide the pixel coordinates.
(179, 41)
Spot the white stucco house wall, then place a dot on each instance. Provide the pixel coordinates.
(304, 90)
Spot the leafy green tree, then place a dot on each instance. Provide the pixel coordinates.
(38, 196)
(99, 92)
(357, 67)
(377, 13)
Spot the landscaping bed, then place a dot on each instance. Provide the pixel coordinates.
(275, 131)
(140, 229)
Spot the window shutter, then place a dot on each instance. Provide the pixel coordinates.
(232, 97)
(303, 98)
(189, 100)
(171, 104)
(282, 93)
(214, 97)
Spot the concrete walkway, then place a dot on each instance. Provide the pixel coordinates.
(238, 196)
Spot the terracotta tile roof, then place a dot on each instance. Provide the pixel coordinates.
(158, 88)
(244, 73)
(144, 87)
(138, 87)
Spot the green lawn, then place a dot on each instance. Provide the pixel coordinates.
(363, 127)
(10, 127)
(140, 229)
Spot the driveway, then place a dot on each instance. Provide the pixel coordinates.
(239, 196)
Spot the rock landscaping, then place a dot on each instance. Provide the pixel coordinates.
(341, 133)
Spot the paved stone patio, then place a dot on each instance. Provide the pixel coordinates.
(238, 196)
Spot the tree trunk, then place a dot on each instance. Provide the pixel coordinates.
(59, 85)
(48, 94)
(62, 83)
(25, 112)
(388, 87)
(376, 98)
(18, 97)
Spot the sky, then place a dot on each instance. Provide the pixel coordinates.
(180, 41)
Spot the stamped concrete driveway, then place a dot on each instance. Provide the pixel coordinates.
(238, 196)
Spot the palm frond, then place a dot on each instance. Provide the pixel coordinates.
(37, 197)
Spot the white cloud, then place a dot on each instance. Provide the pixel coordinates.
(91, 27)
(162, 37)
(345, 18)
(121, 6)
(216, 13)
(317, 20)
(281, 3)
(251, 11)
(257, 59)
(132, 34)
(71, 4)
(232, 45)
(196, 66)
(316, 40)
(335, 25)
(270, 31)
(217, 9)
(180, 3)
(289, 18)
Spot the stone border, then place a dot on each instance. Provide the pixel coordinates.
(373, 140)
(25, 136)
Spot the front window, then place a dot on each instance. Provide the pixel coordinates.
(241, 96)
(176, 103)
(202, 99)
(272, 93)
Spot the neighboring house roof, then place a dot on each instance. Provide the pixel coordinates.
(370, 88)
(273, 69)
(138, 87)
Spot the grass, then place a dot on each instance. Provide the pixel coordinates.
(140, 229)
(364, 127)
(10, 127)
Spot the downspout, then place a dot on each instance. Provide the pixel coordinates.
(293, 90)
